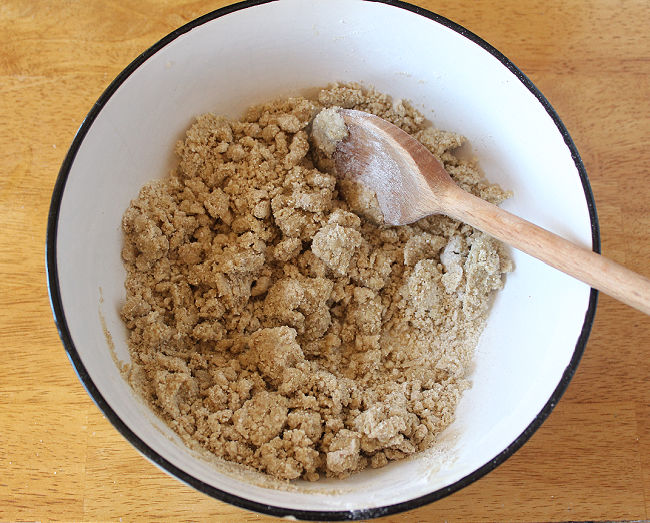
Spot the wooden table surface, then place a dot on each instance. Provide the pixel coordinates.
(61, 459)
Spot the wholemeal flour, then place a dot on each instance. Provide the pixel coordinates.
(276, 322)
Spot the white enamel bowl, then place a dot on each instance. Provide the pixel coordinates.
(255, 51)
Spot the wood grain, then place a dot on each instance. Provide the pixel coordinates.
(421, 186)
(61, 460)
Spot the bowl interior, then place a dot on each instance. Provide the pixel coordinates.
(281, 48)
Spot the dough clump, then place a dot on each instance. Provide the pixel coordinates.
(276, 322)
(328, 130)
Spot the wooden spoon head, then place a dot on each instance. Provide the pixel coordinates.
(407, 179)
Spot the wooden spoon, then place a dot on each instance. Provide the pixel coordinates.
(411, 183)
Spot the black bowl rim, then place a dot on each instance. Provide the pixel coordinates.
(313, 515)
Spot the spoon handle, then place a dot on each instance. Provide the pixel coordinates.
(587, 266)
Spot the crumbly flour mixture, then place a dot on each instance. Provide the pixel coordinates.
(276, 322)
